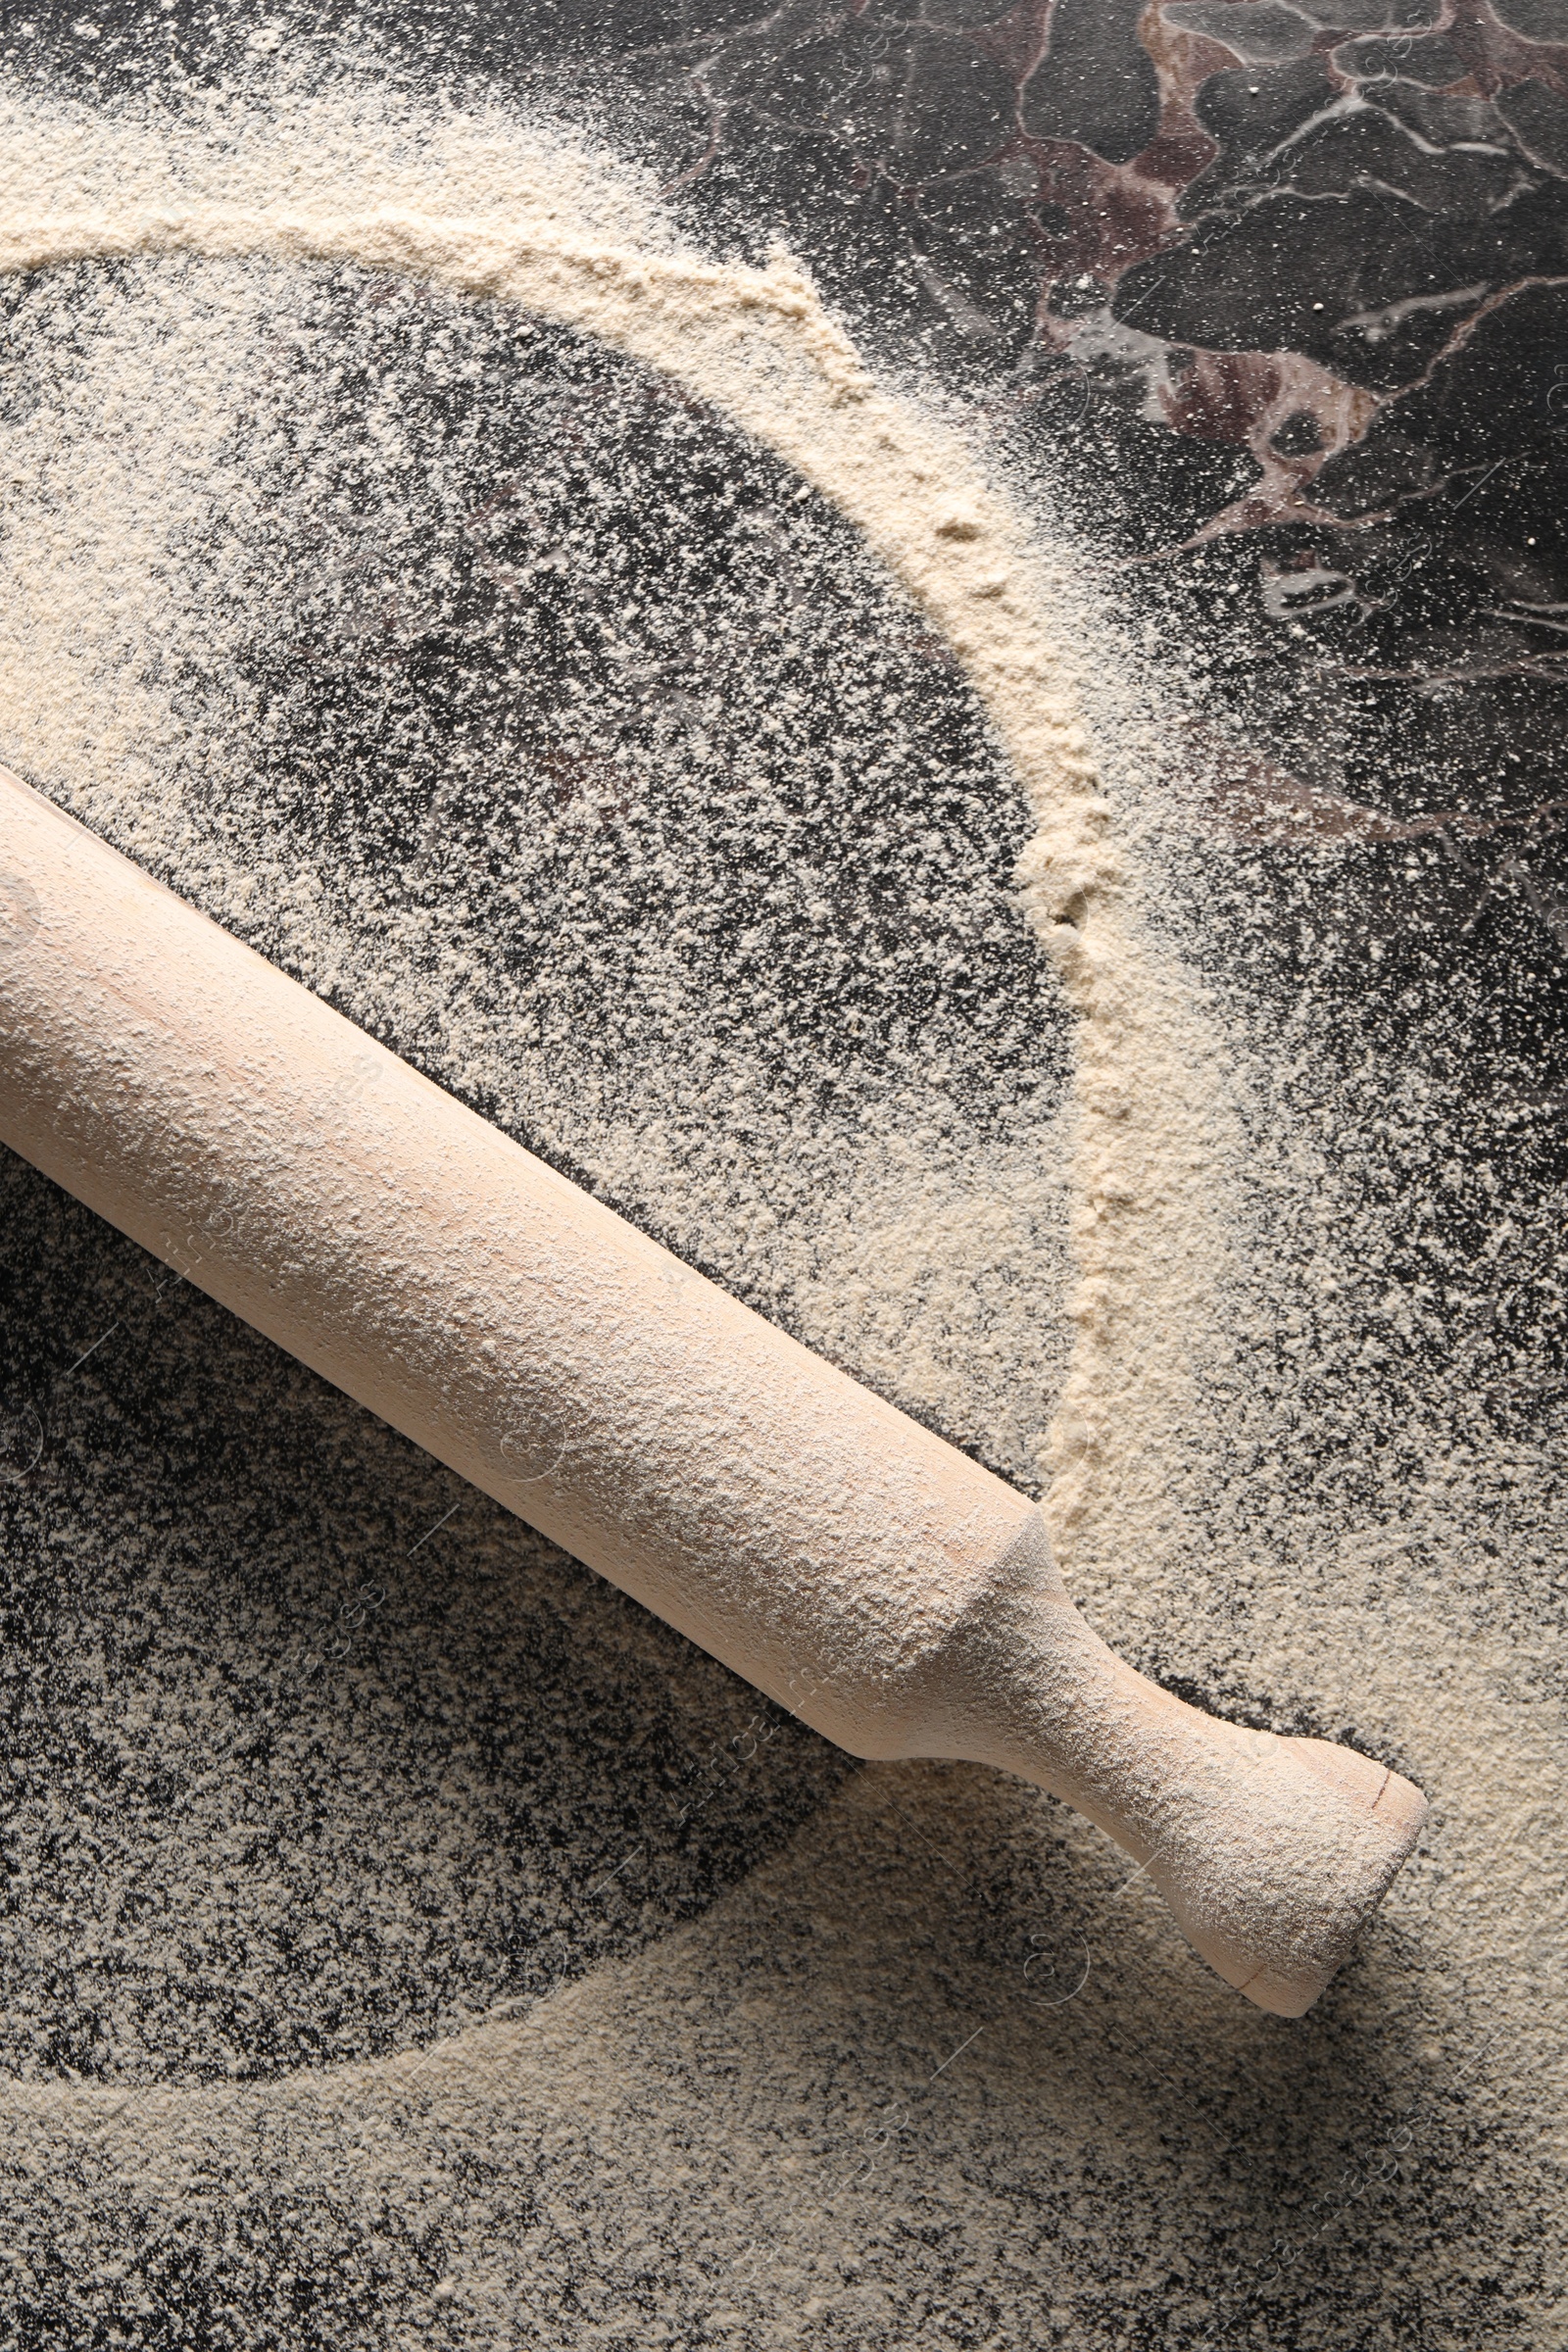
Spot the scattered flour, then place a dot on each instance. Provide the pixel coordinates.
(1203, 1521)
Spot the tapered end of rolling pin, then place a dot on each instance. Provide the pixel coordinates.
(1271, 1852)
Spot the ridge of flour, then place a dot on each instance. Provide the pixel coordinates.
(474, 210)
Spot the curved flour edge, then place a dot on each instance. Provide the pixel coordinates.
(760, 346)
(1482, 1856)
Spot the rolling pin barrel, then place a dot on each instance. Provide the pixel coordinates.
(866, 1575)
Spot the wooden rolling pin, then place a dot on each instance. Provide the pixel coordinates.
(857, 1569)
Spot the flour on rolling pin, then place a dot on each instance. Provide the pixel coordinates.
(840, 1557)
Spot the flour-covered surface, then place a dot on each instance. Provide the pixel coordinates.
(461, 680)
(245, 1622)
(514, 702)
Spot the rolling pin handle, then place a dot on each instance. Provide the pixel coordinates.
(1271, 1852)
